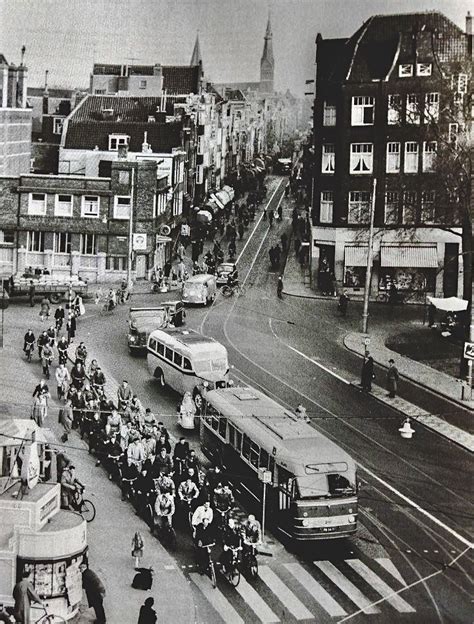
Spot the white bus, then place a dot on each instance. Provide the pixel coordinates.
(183, 359)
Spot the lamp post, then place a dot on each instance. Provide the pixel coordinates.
(130, 232)
(370, 253)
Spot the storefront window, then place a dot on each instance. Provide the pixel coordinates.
(409, 279)
(354, 277)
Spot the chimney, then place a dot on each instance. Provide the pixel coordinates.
(45, 94)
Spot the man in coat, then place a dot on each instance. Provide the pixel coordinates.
(23, 594)
(392, 379)
(95, 592)
(367, 373)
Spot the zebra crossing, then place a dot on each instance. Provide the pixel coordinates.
(318, 590)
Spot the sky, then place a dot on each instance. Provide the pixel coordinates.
(66, 37)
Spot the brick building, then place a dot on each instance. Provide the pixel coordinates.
(382, 97)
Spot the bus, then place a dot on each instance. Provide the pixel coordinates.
(183, 359)
(312, 493)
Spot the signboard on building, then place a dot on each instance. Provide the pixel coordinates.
(30, 469)
(139, 242)
(469, 350)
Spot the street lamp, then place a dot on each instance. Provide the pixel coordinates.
(370, 253)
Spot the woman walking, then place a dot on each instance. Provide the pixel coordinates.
(137, 548)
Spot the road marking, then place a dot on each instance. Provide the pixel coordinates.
(256, 602)
(345, 585)
(380, 586)
(284, 594)
(388, 565)
(217, 599)
(316, 590)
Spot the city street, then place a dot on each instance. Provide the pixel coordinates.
(415, 505)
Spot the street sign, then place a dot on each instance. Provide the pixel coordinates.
(469, 350)
(367, 341)
(264, 475)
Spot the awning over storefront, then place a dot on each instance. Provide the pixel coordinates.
(449, 304)
(355, 255)
(414, 256)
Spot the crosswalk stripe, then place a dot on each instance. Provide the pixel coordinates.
(217, 600)
(318, 592)
(284, 594)
(346, 586)
(388, 565)
(380, 586)
(256, 602)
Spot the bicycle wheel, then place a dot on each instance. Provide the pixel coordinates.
(253, 567)
(212, 574)
(227, 291)
(88, 510)
(234, 576)
(172, 539)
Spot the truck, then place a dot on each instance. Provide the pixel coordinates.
(142, 321)
(54, 288)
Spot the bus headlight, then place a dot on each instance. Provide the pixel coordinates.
(350, 510)
(305, 514)
(352, 519)
(305, 522)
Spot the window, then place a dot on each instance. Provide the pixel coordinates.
(361, 158)
(394, 109)
(431, 107)
(405, 70)
(362, 112)
(90, 206)
(359, 206)
(329, 114)
(57, 125)
(187, 364)
(62, 242)
(142, 84)
(423, 69)
(428, 207)
(153, 344)
(263, 463)
(429, 155)
(35, 241)
(88, 245)
(254, 454)
(122, 207)
(116, 140)
(116, 263)
(37, 204)
(327, 204)
(409, 207)
(246, 447)
(393, 158)
(159, 204)
(413, 109)
(222, 427)
(453, 129)
(168, 354)
(99, 91)
(392, 200)
(124, 178)
(178, 360)
(235, 437)
(411, 157)
(161, 349)
(328, 164)
(63, 206)
(459, 83)
(7, 236)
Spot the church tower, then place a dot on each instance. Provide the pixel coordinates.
(267, 62)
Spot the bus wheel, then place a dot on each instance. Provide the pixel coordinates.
(160, 376)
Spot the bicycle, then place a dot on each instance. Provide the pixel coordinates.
(210, 568)
(222, 517)
(249, 559)
(188, 510)
(50, 618)
(231, 571)
(167, 534)
(108, 307)
(228, 291)
(29, 351)
(83, 505)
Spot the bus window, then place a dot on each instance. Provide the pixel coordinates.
(222, 427)
(168, 354)
(232, 435)
(238, 440)
(271, 465)
(246, 447)
(161, 349)
(263, 458)
(178, 359)
(187, 364)
(254, 454)
(153, 344)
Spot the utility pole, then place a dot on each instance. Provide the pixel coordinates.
(370, 253)
(130, 231)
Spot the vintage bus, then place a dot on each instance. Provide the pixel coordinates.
(183, 359)
(313, 490)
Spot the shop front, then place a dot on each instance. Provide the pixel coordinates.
(355, 267)
(411, 269)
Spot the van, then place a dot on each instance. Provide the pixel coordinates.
(200, 289)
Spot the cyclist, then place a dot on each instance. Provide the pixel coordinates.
(251, 535)
(162, 463)
(193, 462)
(63, 379)
(114, 453)
(98, 379)
(233, 278)
(188, 493)
(223, 501)
(59, 317)
(51, 333)
(205, 539)
(164, 510)
(231, 542)
(29, 341)
(46, 359)
(62, 350)
(181, 451)
(78, 375)
(201, 513)
(41, 342)
(69, 487)
(165, 484)
(81, 353)
(124, 395)
(301, 412)
(111, 300)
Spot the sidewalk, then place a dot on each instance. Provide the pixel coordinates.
(109, 535)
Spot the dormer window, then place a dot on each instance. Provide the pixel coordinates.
(423, 69)
(405, 70)
(117, 140)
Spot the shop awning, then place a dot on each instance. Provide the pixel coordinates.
(413, 256)
(355, 255)
(449, 304)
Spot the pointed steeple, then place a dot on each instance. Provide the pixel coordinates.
(196, 58)
(267, 62)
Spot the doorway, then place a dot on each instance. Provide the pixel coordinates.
(140, 266)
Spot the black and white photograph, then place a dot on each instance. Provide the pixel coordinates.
(236, 311)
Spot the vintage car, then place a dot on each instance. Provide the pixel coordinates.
(223, 271)
(200, 289)
(176, 312)
(141, 322)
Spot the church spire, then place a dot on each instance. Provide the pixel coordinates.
(267, 62)
(196, 58)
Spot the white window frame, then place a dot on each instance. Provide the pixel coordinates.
(453, 130)
(60, 205)
(86, 202)
(35, 241)
(35, 206)
(428, 199)
(329, 114)
(118, 203)
(62, 242)
(116, 140)
(393, 157)
(58, 123)
(391, 207)
(413, 111)
(326, 210)
(359, 205)
(124, 174)
(360, 105)
(429, 155)
(394, 109)
(459, 83)
(84, 241)
(328, 159)
(413, 154)
(405, 70)
(159, 204)
(361, 154)
(424, 69)
(409, 207)
(431, 107)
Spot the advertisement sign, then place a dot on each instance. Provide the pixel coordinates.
(30, 469)
(469, 350)
(139, 242)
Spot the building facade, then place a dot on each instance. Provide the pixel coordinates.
(382, 103)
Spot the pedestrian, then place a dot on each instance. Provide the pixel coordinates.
(31, 293)
(392, 379)
(45, 308)
(24, 594)
(95, 592)
(367, 375)
(264, 214)
(280, 287)
(301, 412)
(271, 214)
(180, 270)
(241, 230)
(431, 315)
(71, 327)
(271, 254)
(280, 213)
(297, 245)
(147, 613)
(137, 548)
(277, 255)
(284, 241)
(65, 419)
(59, 318)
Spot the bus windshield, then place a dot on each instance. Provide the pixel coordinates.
(331, 480)
(218, 365)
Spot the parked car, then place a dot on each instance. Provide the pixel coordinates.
(200, 289)
(223, 271)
